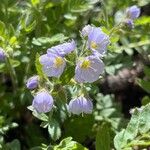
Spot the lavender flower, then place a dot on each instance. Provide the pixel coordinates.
(43, 102)
(52, 64)
(2, 54)
(62, 49)
(129, 23)
(98, 41)
(133, 12)
(86, 30)
(88, 69)
(32, 82)
(80, 105)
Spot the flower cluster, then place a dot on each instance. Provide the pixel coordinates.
(89, 67)
(132, 13)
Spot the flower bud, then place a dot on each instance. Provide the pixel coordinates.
(43, 102)
(32, 82)
(129, 23)
(133, 12)
(80, 105)
(86, 30)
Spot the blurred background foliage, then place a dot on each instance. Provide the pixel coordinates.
(28, 27)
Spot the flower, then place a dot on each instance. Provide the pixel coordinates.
(88, 69)
(86, 30)
(80, 105)
(129, 23)
(32, 82)
(2, 54)
(133, 12)
(43, 102)
(62, 49)
(52, 64)
(98, 41)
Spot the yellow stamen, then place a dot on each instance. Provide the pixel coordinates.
(85, 64)
(58, 62)
(93, 45)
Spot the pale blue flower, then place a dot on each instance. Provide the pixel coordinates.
(86, 30)
(98, 41)
(80, 105)
(43, 102)
(129, 23)
(32, 82)
(88, 69)
(62, 49)
(2, 54)
(133, 12)
(52, 65)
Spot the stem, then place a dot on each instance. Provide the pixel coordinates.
(50, 84)
(71, 63)
(141, 144)
(6, 13)
(145, 136)
(115, 29)
(83, 48)
(105, 12)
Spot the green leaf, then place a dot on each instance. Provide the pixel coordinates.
(81, 124)
(54, 130)
(2, 67)
(147, 71)
(41, 41)
(38, 66)
(30, 27)
(110, 69)
(145, 100)
(35, 2)
(28, 22)
(40, 116)
(138, 127)
(68, 144)
(118, 140)
(144, 84)
(36, 148)
(143, 20)
(14, 63)
(144, 121)
(67, 75)
(103, 138)
(13, 40)
(2, 28)
(114, 38)
(58, 37)
(122, 138)
(14, 145)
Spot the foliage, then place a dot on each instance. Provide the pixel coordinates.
(137, 131)
(27, 29)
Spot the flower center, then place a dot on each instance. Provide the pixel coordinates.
(85, 64)
(93, 45)
(58, 62)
